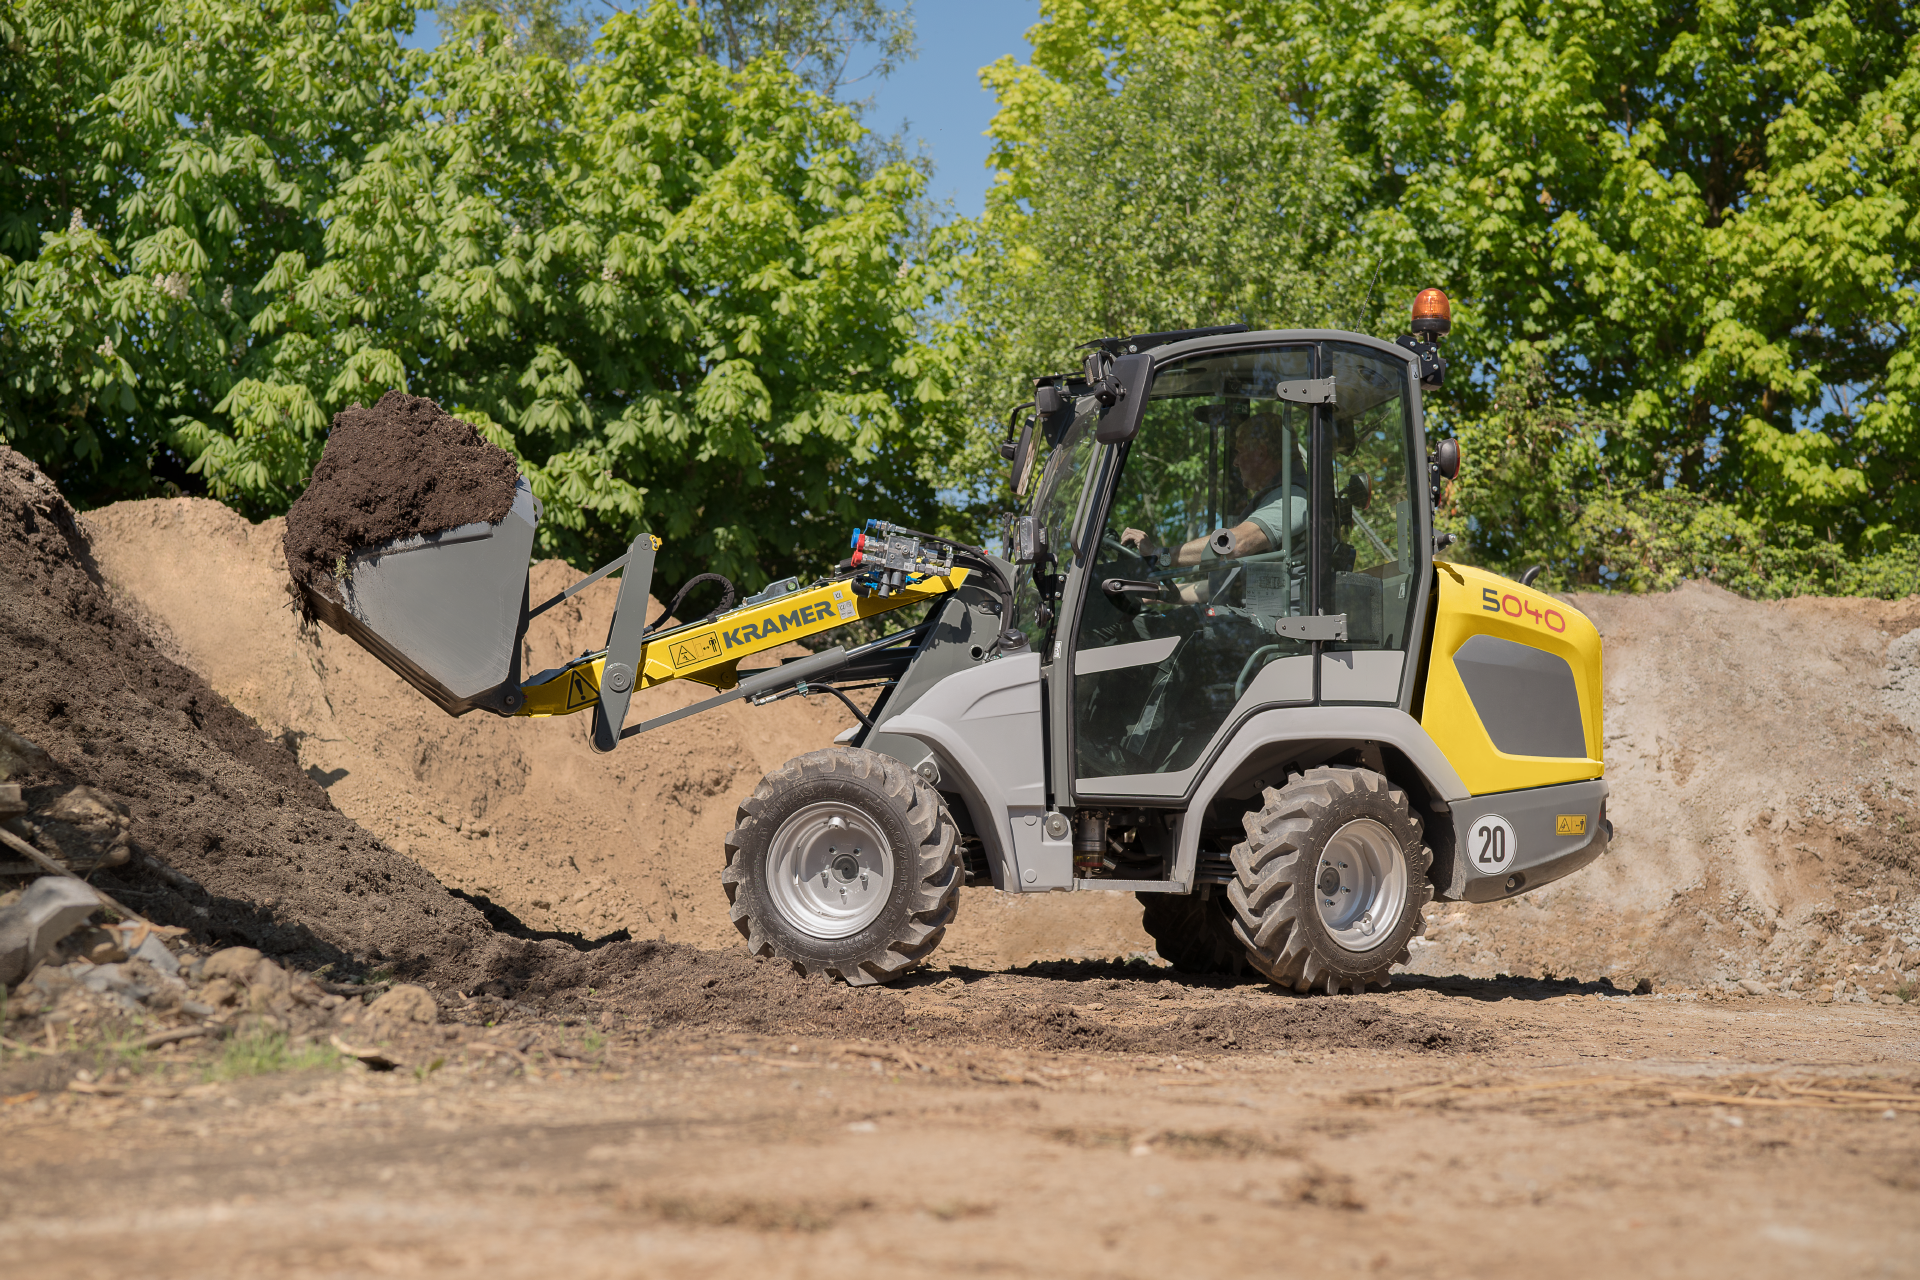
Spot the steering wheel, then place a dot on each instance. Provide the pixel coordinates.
(1109, 542)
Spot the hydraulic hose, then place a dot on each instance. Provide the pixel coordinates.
(672, 610)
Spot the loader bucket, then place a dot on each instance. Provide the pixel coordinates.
(444, 610)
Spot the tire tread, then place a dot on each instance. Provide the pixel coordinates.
(1268, 909)
(934, 886)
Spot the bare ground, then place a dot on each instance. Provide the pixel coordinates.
(1564, 1132)
(1033, 1102)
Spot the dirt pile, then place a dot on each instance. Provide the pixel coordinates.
(1260, 1025)
(196, 818)
(225, 835)
(1761, 769)
(662, 986)
(403, 467)
(519, 813)
(1764, 775)
(223, 832)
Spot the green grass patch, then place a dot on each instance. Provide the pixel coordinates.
(263, 1052)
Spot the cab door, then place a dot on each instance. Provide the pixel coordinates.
(1192, 598)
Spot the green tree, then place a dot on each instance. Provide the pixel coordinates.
(1187, 196)
(157, 159)
(1542, 489)
(823, 41)
(538, 28)
(1701, 216)
(669, 286)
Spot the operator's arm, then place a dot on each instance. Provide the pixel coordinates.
(1257, 533)
(1249, 539)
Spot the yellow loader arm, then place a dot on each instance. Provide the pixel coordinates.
(710, 652)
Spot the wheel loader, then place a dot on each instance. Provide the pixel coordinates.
(1223, 665)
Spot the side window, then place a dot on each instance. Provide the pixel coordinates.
(1059, 500)
(1176, 623)
(1372, 560)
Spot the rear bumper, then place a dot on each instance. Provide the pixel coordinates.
(1555, 831)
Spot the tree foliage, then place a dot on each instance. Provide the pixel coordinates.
(1700, 216)
(538, 28)
(671, 287)
(1187, 196)
(157, 161)
(823, 41)
(1544, 490)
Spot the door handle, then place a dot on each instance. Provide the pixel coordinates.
(1325, 626)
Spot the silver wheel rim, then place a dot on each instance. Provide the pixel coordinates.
(1360, 885)
(829, 870)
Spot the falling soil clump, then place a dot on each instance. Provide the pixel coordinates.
(404, 467)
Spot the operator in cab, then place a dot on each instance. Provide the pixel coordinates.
(1261, 449)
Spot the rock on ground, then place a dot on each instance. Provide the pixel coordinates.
(51, 908)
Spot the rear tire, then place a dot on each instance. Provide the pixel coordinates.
(1193, 934)
(1330, 881)
(843, 861)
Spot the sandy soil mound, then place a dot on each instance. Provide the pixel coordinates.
(1762, 758)
(233, 840)
(520, 815)
(402, 467)
(1764, 773)
(230, 837)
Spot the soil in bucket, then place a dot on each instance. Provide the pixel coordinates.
(403, 467)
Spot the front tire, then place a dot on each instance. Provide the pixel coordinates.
(843, 861)
(1330, 881)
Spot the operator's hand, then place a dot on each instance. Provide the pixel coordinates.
(1140, 540)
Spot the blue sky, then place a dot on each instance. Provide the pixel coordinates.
(940, 96)
(937, 98)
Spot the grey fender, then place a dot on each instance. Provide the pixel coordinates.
(983, 727)
(1269, 737)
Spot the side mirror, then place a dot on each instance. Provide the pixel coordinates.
(1446, 459)
(1359, 493)
(1027, 540)
(1022, 456)
(1128, 379)
(1055, 407)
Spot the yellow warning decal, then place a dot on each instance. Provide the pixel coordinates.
(580, 691)
(702, 648)
(1570, 824)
